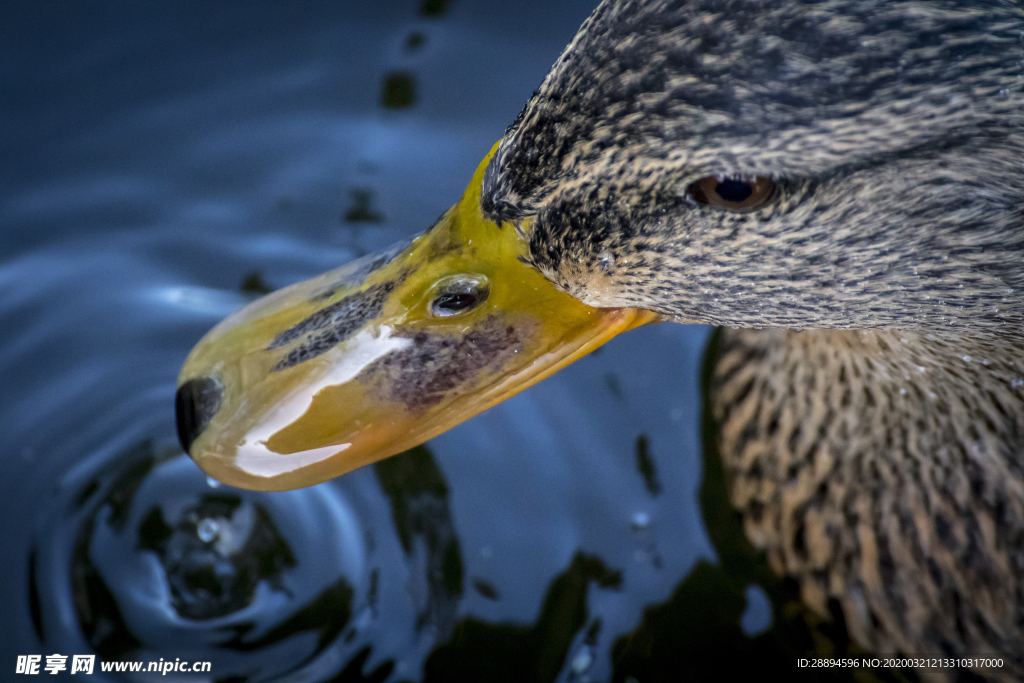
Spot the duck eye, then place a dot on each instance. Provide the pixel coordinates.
(735, 193)
(457, 295)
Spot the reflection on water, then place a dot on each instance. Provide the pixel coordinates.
(153, 561)
(423, 521)
(161, 166)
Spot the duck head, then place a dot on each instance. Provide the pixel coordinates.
(772, 164)
(368, 360)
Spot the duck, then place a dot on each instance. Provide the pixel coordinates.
(838, 185)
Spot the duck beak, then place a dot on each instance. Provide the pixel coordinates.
(380, 355)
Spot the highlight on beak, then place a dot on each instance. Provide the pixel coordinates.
(380, 355)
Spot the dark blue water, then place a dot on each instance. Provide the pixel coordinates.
(160, 163)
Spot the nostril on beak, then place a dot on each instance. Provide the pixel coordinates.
(195, 404)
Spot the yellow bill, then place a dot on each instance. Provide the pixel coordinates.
(380, 355)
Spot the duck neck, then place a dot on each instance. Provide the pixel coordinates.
(884, 470)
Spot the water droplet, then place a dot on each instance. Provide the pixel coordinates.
(641, 520)
(920, 368)
(967, 359)
(212, 483)
(207, 529)
(902, 391)
(984, 362)
(1004, 92)
(1017, 383)
(582, 661)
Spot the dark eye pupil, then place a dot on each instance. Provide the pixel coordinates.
(454, 302)
(455, 295)
(732, 190)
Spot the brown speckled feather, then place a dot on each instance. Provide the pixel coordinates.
(877, 456)
(885, 470)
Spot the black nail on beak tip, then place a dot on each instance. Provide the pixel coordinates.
(195, 404)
